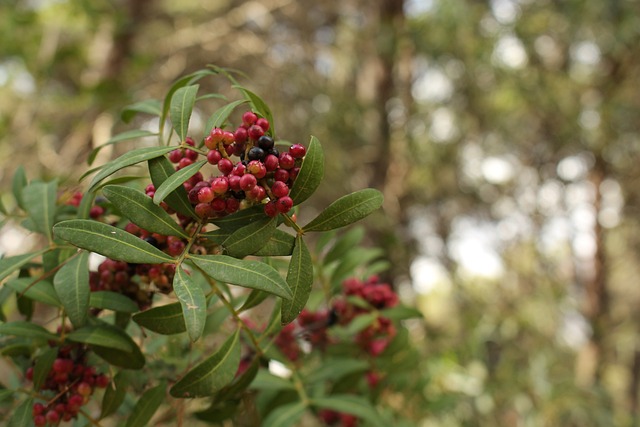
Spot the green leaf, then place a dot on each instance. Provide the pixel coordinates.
(124, 136)
(123, 359)
(160, 170)
(41, 291)
(42, 367)
(146, 406)
(300, 280)
(20, 328)
(71, 283)
(259, 106)
(176, 180)
(267, 381)
(353, 259)
(281, 243)
(131, 158)
(193, 302)
(165, 319)
(241, 218)
(311, 173)
(107, 300)
(401, 312)
(254, 299)
(109, 241)
(285, 415)
(184, 81)
(335, 368)
(149, 106)
(220, 116)
(22, 415)
(213, 373)
(350, 404)
(114, 394)
(10, 264)
(6, 395)
(140, 209)
(219, 411)
(246, 273)
(18, 183)
(344, 244)
(346, 210)
(217, 236)
(247, 240)
(181, 107)
(103, 336)
(40, 203)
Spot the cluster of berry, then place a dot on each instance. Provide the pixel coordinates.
(70, 382)
(260, 174)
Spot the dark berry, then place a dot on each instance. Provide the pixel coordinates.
(275, 152)
(232, 205)
(256, 153)
(218, 205)
(265, 142)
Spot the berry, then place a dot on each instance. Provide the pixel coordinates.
(220, 185)
(96, 211)
(297, 151)
(175, 156)
(184, 162)
(190, 154)
(225, 166)
(249, 118)
(256, 153)
(189, 141)
(218, 205)
(257, 193)
(214, 138)
(255, 132)
(257, 168)
(38, 409)
(241, 135)
(263, 123)
(281, 175)
(40, 421)
(213, 157)
(287, 161)
(234, 182)
(284, 204)
(270, 209)
(279, 189)
(232, 205)
(247, 182)
(52, 417)
(102, 381)
(85, 389)
(205, 195)
(265, 142)
(271, 162)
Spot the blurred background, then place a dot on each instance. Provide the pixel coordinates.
(504, 135)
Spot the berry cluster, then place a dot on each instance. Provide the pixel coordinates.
(70, 383)
(259, 174)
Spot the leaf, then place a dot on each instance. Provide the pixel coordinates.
(311, 173)
(285, 415)
(258, 104)
(246, 273)
(254, 299)
(217, 236)
(181, 107)
(149, 106)
(103, 336)
(350, 404)
(109, 241)
(346, 210)
(401, 312)
(241, 218)
(335, 368)
(247, 240)
(165, 319)
(41, 291)
(71, 284)
(10, 264)
(160, 170)
(22, 415)
(20, 328)
(18, 183)
(267, 381)
(42, 367)
(184, 81)
(344, 244)
(193, 302)
(281, 243)
(213, 373)
(146, 406)
(124, 136)
(108, 300)
(220, 116)
(114, 394)
(218, 411)
(123, 359)
(140, 209)
(300, 280)
(40, 203)
(176, 180)
(131, 158)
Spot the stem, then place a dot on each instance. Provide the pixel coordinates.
(92, 420)
(192, 239)
(291, 223)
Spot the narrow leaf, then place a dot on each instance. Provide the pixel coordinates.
(146, 406)
(193, 302)
(149, 106)
(123, 359)
(131, 158)
(42, 367)
(300, 280)
(165, 319)
(182, 82)
(249, 239)
(346, 210)
(160, 170)
(176, 180)
(10, 264)
(220, 116)
(24, 329)
(311, 173)
(285, 415)
(114, 394)
(254, 299)
(267, 381)
(41, 291)
(19, 182)
(213, 373)
(258, 104)
(246, 273)
(240, 218)
(103, 336)
(335, 368)
(281, 243)
(181, 108)
(344, 244)
(141, 210)
(40, 202)
(351, 404)
(71, 283)
(401, 312)
(107, 300)
(23, 415)
(124, 136)
(109, 241)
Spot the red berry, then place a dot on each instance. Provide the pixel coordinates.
(297, 151)
(220, 185)
(96, 211)
(189, 141)
(190, 154)
(60, 408)
(263, 123)
(286, 161)
(281, 175)
(257, 168)
(284, 204)
(279, 189)
(234, 182)
(215, 137)
(102, 381)
(247, 182)
(40, 420)
(213, 157)
(228, 138)
(239, 169)
(240, 135)
(270, 209)
(271, 162)
(175, 156)
(38, 409)
(218, 205)
(232, 205)
(52, 417)
(184, 162)
(257, 193)
(210, 143)
(203, 210)
(249, 118)
(293, 174)
(255, 132)
(225, 166)
(85, 389)
(205, 195)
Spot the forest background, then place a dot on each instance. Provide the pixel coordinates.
(504, 135)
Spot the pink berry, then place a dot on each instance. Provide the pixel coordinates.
(205, 195)
(239, 169)
(279, 189)
(175, 156)
(249, 118)
(263, 123)
(247, 182)
(190, 154)
(271, 162)
(189, 141)
(184, 162)
(210, 143)
(257, 193)
(234, 182)
(213, 157)
(297, 151)
(257, 168)
(241, 135)
(220, 185)
(203, 210)
(228, 138)
(287, 161)
(225, 166)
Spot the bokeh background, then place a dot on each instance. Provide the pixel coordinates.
(504, 135)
